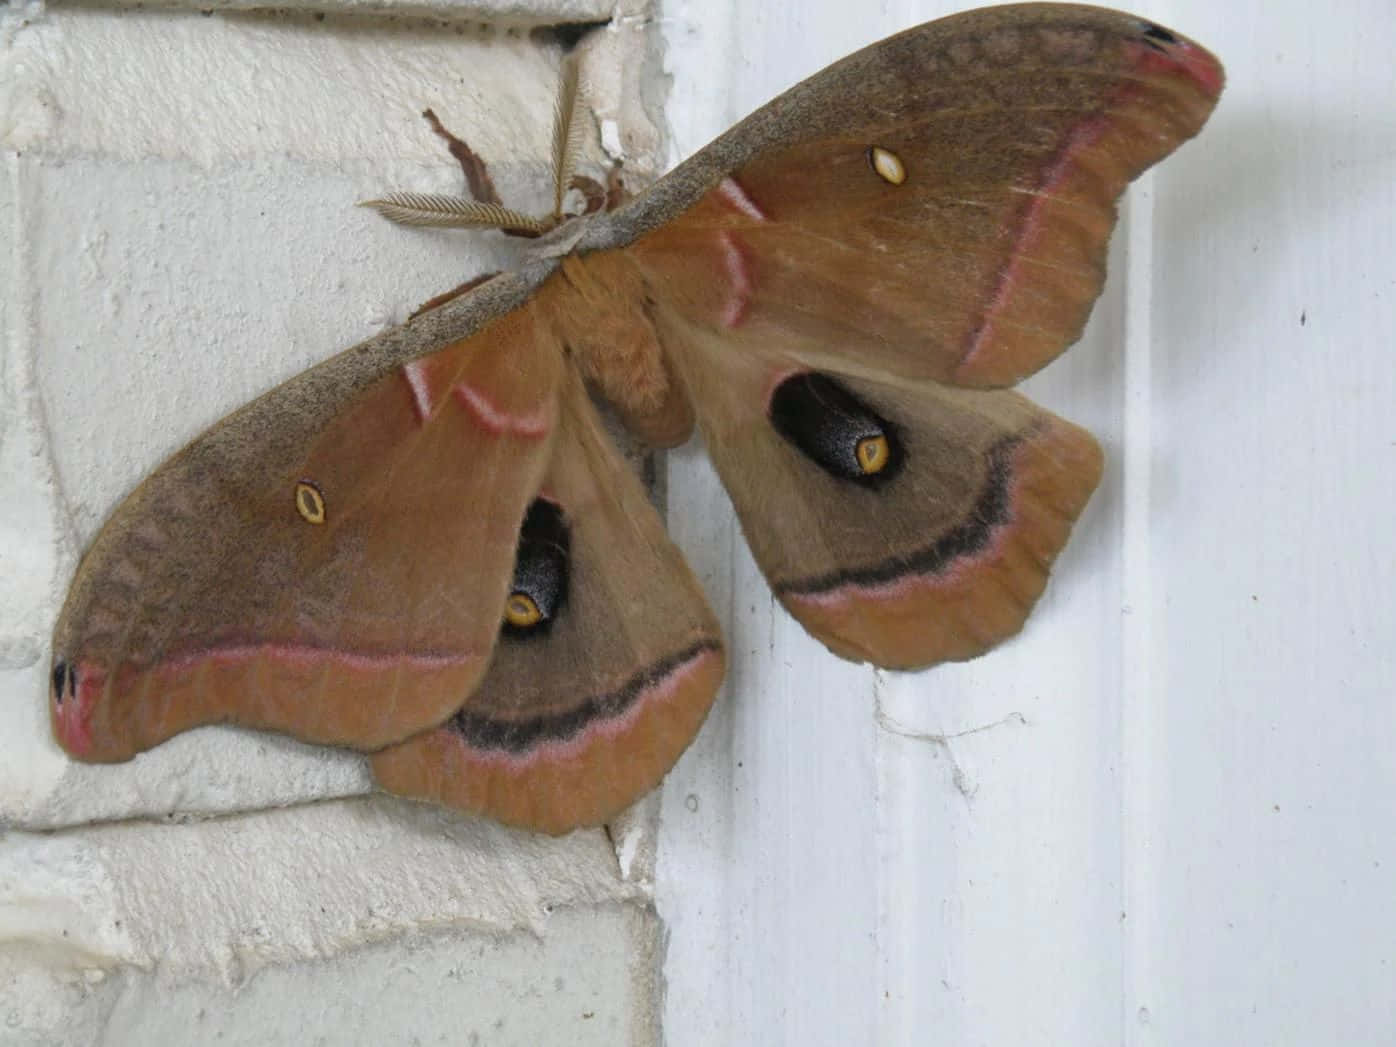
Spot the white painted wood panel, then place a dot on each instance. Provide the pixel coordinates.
(1163, 815)
(1270, 776)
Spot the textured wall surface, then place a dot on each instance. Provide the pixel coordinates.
(1162, 815)
(180, 235)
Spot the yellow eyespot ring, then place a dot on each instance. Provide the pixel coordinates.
(521, 612)
(310, 503)
(887, 164)
(873, 453)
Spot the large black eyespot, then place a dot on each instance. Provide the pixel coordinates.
(539, 590)
(836, 430)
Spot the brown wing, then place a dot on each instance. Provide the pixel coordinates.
(330, 561)
(934, 206)
(606, 676)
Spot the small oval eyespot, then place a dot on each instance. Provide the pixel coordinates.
(310, 503)
(521, 612)
(873, 453)
(887, 164)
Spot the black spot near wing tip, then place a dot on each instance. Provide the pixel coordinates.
(64, 680)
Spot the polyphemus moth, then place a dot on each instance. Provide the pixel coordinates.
(427, 548)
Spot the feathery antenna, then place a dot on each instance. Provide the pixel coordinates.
(454, 212)
(485, 211)
(567, 133)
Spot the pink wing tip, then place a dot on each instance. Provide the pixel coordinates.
(1162, 51)
(1202, 66)
(72, 712)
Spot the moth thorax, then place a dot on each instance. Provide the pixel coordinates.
(601, 317)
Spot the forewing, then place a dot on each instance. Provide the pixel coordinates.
(934, 206)
(330, 561)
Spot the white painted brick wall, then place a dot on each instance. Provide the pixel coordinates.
(180, 235)
(1161, 816)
